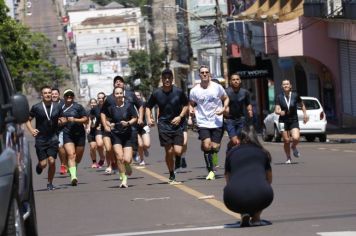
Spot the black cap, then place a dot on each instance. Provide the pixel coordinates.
(118, 77)
(167, 72)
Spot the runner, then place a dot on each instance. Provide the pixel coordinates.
(208, 102)
(143, 135)
(122, 116)
(73, 133)
(47, 115)
(61, 152)
(286, 108)
(240, 109)
(173, 105)
(110, 101)
(92, 130)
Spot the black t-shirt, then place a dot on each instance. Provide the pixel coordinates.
(77, 111)
(291, 112)
(47, 128)
(238, 102)
(170, 105)
(95, 113)
(129, 97)
(116, 114)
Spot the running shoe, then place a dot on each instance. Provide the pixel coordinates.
(50, 187)
(38, 169)
(108, 170)
(62, 170)
(137, 159)
(245, 220)
(210, 176)
(74, 182)
(128, 169)
(296, 152)
(124, 182)
(184, 163)
(100, 163)
(94, 166)
(172, 178)
(288, 161)
(142, 163)
(146, 153)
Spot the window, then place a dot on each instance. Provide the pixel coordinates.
(209, 34)
(97, 41)
(132, 41)
(117, 40)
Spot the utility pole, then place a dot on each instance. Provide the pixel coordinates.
(166, 62)
(222, 39)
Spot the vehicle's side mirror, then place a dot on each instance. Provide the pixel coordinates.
(20, 108)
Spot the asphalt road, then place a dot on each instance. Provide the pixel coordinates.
(314, 195)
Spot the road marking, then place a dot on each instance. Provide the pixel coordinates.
(350, 151)
(164, 231)
(341, 233)
(221, 206)
(151, 199)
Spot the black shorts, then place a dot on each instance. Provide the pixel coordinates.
(78, 140)
(288, 125)
(93, 133)
(106, 134)
(124, 139)
(174, 138)
(46, 149)
(215, 134)
(140, 130)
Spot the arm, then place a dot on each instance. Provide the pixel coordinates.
(305, 117)
(249, 111)
(192, 104)
(149, 117)
(29, 127)
(225, 99)
(83, 119)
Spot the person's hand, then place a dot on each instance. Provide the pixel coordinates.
(124, 123)
(150, 122)
(176, 120)
(107, 128)
(62, 120)
(87, 130)
(35, 132)
(219, 111)
(282, 113)
(140, 121)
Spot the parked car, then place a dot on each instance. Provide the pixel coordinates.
(315, 127)
(17, 202)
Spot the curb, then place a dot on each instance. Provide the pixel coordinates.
(342, 140)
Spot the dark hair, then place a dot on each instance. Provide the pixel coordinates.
(102, 94)
(118, 77)
(56, 89)
(204, 66)
(167, 71)
(249, 135)
(235, 74)
(45, 87)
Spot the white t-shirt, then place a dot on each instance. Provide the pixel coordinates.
(208, 102)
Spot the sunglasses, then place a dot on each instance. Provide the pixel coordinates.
(204, 72)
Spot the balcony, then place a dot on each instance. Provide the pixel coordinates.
(324, 8)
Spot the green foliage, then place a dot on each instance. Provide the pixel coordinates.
(26, 54)
(146, 67)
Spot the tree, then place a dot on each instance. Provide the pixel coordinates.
(146, 67)
(27, 54)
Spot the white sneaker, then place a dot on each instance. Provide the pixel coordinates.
(142, 163)
(296, 152)
(288, 161)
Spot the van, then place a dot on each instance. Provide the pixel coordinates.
(17, 205)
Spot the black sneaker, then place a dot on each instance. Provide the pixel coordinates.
(172, 178)
(74, 182)
(245, 220)
(38, 169)
(184, 163)
(50, 187)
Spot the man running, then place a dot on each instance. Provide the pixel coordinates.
(208, 102)
(47, 115)
(173, 105)
(239, 108)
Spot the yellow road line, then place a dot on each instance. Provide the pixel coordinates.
(217, 204)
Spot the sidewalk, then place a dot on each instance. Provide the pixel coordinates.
(341, 135)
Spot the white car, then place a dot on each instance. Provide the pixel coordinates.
(315, 127)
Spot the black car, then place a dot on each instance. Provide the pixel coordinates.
(17, 202)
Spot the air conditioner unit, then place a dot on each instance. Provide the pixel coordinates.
(334, 8)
